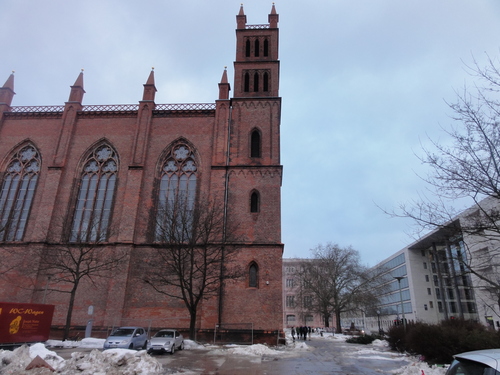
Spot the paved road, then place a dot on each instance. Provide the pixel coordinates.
(323, 357)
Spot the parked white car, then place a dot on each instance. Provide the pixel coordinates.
(166, 341)
(483, 362)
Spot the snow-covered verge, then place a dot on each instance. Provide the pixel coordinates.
(109, 362)
(131, 362)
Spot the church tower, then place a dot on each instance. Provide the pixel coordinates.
(254, 174)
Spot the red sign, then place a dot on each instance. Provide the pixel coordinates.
(25, 322)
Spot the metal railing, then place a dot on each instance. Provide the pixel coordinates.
(116, 108)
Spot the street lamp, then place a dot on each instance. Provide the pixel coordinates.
(398, 278)
(378, 319)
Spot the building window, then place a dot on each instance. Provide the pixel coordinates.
(431, 304)
(427, 278)
(247, 82)
(256, 82)
(290, 319)
(425, 265)
(307, 301)
(247, 48)
(255, 144)
(290, 301)
(18, 188)
(254, 202)
(435, 279)
(266, 47)
(429, 291)
(289, 283)
(253, 272)
(438, 293)
(257, 47)
(309, 318)
(266, 82)
(440, 306)
(177, 195)
(95, 196)
(425, 307)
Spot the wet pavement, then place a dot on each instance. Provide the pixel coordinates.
(322, 357)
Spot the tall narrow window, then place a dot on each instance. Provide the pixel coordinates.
(95, 196)
(265, 82)
(253, 272)
(247, 82)
(255, 144)
(247, 48)
(257, 47)
(16, 196)
(256, 82)
(254, 202)
(177, 195)
(266, 47)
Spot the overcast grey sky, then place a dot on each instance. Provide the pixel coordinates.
(363, 83)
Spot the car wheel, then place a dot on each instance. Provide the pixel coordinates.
(181, 347)
(173, 349)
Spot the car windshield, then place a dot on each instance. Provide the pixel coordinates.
(123, 332)
(165, 334)
(464, 367)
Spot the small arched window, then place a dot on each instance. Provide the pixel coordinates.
(247, 82)
(266, 47)
(247, 48)
(255, 144)
(266, 82)
(95, 196)
(16, 196)
(256, 82)
(253, 273)
(257, 48)
(254, 202)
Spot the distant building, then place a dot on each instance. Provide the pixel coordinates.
(433, 285)
(295, 305)
(110, 165)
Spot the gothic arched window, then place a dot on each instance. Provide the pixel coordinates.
(177, 195)
(255, 144)
(247, 82)
(257, 47)
(247, 48)
(254, 202)
(95, 196)
(16, 196)
(266, 82)
(253, 273)
(266, 47)
(256, 82)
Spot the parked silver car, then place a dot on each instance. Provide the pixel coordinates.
(127, 338)
(166, 341)
(482, 362)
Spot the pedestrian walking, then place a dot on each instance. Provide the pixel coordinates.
(293, 334)
(309, 332)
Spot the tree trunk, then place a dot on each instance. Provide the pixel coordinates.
(338, 328)
(70, 312)
(192, 325)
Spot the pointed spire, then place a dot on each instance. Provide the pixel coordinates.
(7, 91)
(224, 86)
(241, 19)
(149, 87)
(77, 91)
(273, 18)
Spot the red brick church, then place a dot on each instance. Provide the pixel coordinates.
(64, 168)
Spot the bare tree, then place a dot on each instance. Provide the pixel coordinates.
(467, 167)
(192, 254)
(334, 281)
(69, 262)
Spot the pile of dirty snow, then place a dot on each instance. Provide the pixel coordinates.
(419, 368)
(109, 362)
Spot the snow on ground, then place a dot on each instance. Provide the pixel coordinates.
(131, 362)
